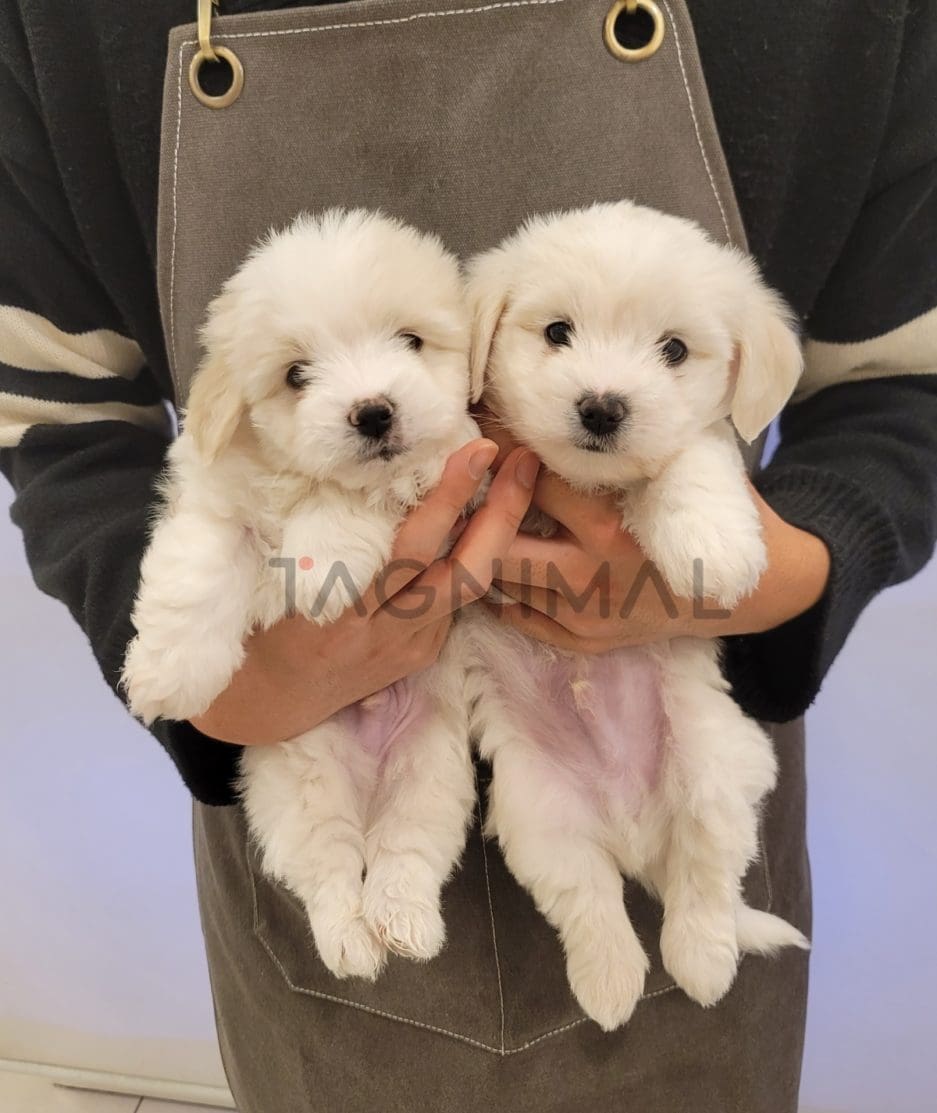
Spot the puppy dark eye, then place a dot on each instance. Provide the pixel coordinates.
(296, 376)
(674, 351)
(558, 333)
(414, 342)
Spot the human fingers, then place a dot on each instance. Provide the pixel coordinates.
(545, 629)
(586, 614)
(453, 581)
(425, 530)
(555, 561)
(595, 519)
(544, 561)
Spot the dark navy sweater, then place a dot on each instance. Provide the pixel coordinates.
(827, 111)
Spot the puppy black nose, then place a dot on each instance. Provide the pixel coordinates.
(372, 418)
(601, 414)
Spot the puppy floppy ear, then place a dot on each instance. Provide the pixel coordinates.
(216, 403)
(487, 299)
(770, 360)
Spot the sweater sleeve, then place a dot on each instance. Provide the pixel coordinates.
(83, 426)
(857, 461)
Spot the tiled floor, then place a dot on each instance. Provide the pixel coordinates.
(24, 1093)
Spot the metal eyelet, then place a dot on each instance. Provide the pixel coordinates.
(632, 7)
(207, 52)
(237, 77)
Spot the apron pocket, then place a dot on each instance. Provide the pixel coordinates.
(456, 994)
(499, 983)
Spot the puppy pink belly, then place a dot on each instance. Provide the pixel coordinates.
(600, 719)
(386, 718)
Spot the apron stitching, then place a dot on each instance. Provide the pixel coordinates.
(409, 1020)
(371, 1008)
(696, 127)
(545, 1036)
(250, 873)
(506, 4)
(172, 251)
(659, 992)
(481, 9)
(334, 998)
(767, 870)
(491, 911)
(292, 31)
(406, 1019)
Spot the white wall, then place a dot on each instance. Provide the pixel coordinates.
(99, 940)
(100, 946)
(872, 776)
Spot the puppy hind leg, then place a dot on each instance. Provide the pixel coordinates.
(420, 814)
(305, 805)
(719, 767)
(712, 838)
(698, 941)
(551, 847)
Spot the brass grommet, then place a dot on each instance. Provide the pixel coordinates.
(237, 77)
(637, 54)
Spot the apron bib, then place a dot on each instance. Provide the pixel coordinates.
(462, 120)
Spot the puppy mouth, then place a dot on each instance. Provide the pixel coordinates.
(590, 443)
(382, 450)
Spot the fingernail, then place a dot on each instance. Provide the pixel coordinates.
(526, 470)
(482, 459)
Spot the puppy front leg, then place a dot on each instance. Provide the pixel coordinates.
(336, 554)
(191, 615)
(698, 523)
(419, 817)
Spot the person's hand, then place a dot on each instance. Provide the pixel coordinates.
(546, 581)
(297, 674)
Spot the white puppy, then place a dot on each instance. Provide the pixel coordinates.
(334, 387)
(607, 338)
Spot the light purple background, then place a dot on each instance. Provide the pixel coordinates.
(101, 964)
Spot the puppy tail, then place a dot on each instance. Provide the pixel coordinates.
(761, 933)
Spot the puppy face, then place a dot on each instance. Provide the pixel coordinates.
(607, 338)
(340, 346)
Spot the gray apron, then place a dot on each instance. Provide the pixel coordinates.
(461, 119)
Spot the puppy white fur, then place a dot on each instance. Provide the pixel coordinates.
(333, 388)
(606, 340)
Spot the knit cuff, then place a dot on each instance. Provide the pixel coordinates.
(208, 767)
(776, 675)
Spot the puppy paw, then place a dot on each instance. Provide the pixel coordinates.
(322, 598)
(698, 560)
(347, 946)
(607, 979)
(173, 684)
(407, 927)
(145, 700)
(702, 962)
(326, 587)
